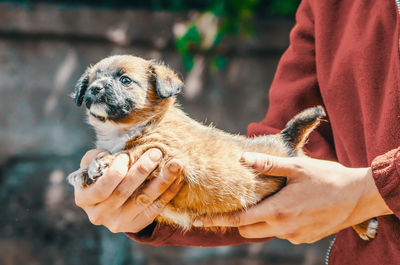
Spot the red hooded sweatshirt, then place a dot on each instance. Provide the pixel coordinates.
(344, 55)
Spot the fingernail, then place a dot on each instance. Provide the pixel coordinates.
(155, 155)
(122, 157)
(174, 167)
(197, 223)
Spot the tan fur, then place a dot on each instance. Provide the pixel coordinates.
(215, 180)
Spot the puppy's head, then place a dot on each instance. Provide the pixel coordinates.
(126, 89)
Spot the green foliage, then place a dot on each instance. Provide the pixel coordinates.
(234, 17)
(218, 62)
(287, 7)
(186, 43)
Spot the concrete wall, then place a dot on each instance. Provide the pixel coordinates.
(43, 51)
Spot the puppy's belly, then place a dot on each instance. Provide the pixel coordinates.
(197, 200)
(172, 216)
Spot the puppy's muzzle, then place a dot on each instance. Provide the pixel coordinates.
(94, 94)
(94, 90)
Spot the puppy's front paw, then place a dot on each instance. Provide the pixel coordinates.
(78, 178)
(98, 167)
(86, 176)
(367, 230)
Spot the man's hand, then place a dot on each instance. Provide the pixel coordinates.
(108, 201)
(320, 198)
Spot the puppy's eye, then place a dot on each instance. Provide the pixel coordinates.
(125, 80)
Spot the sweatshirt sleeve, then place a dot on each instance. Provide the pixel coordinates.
(294, 88)
(159, 234)
(386, 173)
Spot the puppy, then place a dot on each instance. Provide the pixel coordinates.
(131, 104)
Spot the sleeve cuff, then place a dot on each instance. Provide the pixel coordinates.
(385, 171)
(155, 234)
(158, 234)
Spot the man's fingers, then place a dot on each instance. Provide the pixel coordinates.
(140, 170)
(105, 185)
(148, 215)
(257, 230)
(275, 209)
(89, 156)
(143, 167)
(154, 189)
(272, 165)
(160, 184)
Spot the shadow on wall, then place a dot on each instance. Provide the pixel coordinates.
(43, 51)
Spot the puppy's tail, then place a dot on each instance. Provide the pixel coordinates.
(299, 128)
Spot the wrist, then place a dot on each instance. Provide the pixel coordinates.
(371, 203)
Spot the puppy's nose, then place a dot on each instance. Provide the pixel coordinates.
(95, 89)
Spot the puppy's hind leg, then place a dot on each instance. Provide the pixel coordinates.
(367, 229)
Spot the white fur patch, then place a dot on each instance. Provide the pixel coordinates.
(99, 109)
(112, 136)
(181, 219)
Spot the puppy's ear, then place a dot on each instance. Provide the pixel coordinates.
(167, 82)
(81, 87)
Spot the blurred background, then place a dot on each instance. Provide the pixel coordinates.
(226, 51)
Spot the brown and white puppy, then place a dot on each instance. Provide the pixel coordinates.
(131, 105)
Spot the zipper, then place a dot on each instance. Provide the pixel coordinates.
(398, 11)
(398, 5)
(328, 251)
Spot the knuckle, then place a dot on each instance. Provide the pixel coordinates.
(297, 165)
(295, 241)
(115, 227)
(112, 172)
(79, 202)
(122, 192)
(268, 165)
(143, 200)
(143, 168)
(175, 188)
(99, 194)
(168, 195)
(155, 208)
(158, 206)
(95, 219)
(165, 182)
(292, 236)
(259, 163)
(280, 215)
